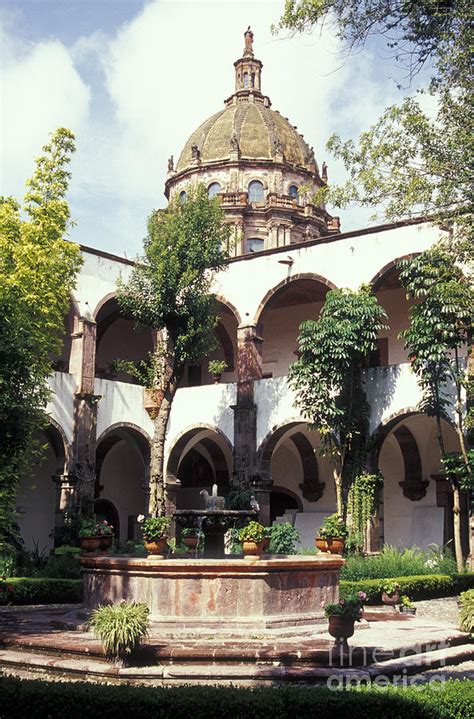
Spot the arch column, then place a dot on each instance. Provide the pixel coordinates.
(249, 369)
(85, 412)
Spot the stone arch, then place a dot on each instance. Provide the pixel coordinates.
(117, 338)
(301, 276)
(184, 442)
(232, 308)
(391, 267)
(56, 437)
(122, 474)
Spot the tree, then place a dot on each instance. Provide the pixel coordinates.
(327, 379)
(170, 291)
(38, 267)
(440, 323)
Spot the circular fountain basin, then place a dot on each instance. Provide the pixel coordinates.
(231, 595)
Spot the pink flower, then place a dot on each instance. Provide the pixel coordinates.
(362, 596)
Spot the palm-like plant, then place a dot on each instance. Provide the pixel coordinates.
(120, 627)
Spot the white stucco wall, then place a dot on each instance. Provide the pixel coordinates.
(121, 402)
(61, 405)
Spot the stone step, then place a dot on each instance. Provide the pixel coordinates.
(413, 664)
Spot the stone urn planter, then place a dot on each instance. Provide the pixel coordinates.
(252, 550)
(341, 628)
(190, 542)
(391, 599)
(106, 541)
(91, 544)
(157, 547)
(152, 401)
(333, 545)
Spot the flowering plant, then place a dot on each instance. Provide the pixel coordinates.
(154, 528)
(332, 527)
(93, 527)
(350, 607)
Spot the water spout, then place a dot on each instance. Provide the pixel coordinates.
(214, 490)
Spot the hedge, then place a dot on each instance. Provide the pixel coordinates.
(38, 699)
(40, 590)
(425, 586)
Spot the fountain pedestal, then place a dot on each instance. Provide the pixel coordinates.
(214, 523)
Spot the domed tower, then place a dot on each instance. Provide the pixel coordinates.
(258, 164)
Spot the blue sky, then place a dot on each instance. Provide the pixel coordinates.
(134, 78)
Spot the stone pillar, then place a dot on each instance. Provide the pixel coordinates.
(85, 408)
(172, 488)
(249, 369)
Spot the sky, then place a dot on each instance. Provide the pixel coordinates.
(134, 78)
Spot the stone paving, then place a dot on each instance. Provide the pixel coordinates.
(33, 641)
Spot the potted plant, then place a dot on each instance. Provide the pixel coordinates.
(342, 617)
(190, 537)
(332, 535)
(252, 537)
(105, 532)
(120, 627)
(390, 592)
(406, 605)
(155, 533)
(216, 368)
(89, 535)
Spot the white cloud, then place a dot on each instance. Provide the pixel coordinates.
(40, 91)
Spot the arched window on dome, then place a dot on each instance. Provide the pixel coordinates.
(213, 189)
(256, 191)
(293, 192)
(183, 196)
(246, 79)
(254, 244)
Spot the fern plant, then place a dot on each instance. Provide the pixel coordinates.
(466, 612)
(120, 627)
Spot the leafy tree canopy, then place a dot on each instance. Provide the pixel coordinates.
(38, 267)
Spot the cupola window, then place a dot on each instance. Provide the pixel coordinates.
(183, 196)
(256, 191)
(246, 79)
(213, 189)
(293, 192)
(255, 244)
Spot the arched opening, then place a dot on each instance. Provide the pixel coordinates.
(104, 509)
(290, 456)
(183, 196)
(293, 192)
(117, 339)
(255, 244)
(256, 191)
(122, 471)
(201, 457)
(281, 312)
(416, 502)
(213, 189)
(225, 351)
(392, 296)
(37, 492)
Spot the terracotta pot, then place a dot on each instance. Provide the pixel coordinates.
(90, 544)
(159, 546)
(336, 545)
(252, 549)
(190, 542)
(391, 599)
(106, 541)
(152, 401)
(321, 544)
(341, 628)
(217, 378)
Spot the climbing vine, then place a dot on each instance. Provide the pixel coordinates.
(362, 505)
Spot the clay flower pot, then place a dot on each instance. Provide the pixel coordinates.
(336, 545)
(341, 628)
(190, 542)
(321, 544)
(158, 546)
(106, 541)
(252, 549)
(391, 599)
(90, 544)
(152, 401)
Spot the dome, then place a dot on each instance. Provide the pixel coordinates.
(260, 133)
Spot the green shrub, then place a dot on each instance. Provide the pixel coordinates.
(43, 590)
(427, 586)
(120, 627)
(395, 562)
(283, 538)
(38, 699)
(252, 532)
(466, 613)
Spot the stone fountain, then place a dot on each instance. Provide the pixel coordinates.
(213, 521)
(215, 593)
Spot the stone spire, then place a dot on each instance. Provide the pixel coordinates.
(247, 69)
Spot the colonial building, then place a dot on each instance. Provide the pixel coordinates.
(287, 253)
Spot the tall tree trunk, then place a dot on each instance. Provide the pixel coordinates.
(338, 485)
(156, 505)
